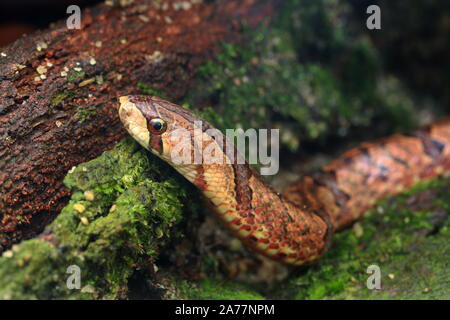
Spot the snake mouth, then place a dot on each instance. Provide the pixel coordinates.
(134, 121)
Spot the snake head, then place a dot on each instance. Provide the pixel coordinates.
(153, 122)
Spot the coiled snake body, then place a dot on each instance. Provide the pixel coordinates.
(295, 227)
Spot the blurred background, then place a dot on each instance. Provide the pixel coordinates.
(414, 39)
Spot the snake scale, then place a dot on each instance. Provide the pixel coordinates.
(294, 227)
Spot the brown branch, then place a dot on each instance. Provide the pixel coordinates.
(58, 91)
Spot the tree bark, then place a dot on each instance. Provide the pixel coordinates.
(59, 89)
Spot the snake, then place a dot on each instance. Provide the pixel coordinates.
(294, 227)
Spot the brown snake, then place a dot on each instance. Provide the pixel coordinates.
(295, 227)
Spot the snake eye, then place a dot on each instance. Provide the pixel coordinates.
(157, 126)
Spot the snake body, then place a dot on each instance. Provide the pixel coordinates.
(295, 227)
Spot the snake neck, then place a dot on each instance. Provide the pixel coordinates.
(260, 217)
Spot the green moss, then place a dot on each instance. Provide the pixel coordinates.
(217, 290)
(134, 211)
(61, 97)
(74, 75)
(84, 113)
(22, 275)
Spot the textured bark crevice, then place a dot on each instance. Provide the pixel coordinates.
(58, 91)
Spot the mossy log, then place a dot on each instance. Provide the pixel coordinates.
(122, 211)
(58, 91)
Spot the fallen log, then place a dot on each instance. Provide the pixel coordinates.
(58, 90)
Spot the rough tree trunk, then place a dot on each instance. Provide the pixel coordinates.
(58, 91)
